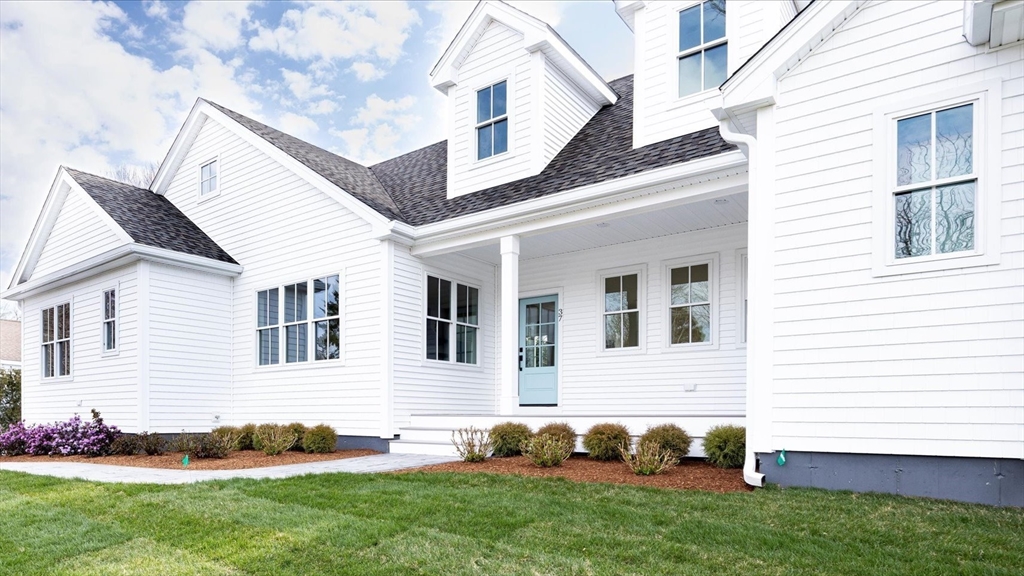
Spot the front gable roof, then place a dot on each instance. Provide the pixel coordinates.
(538, 37)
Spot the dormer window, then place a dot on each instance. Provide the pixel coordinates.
(208, 179)
(491, 121)
(703, 51)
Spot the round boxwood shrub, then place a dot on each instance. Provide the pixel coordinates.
(560, 430)
(299, 429)
(726, 446)
(125, 445)
(262, 431)
(670, 437)
(320, 439)
(507, 438)
(606, 441)
(245, 435)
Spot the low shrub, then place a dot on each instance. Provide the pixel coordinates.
(125, 445)
(299, 429)
(274, 438)
(202, 445)
(507, 438)
(561, 430)
(606, 441)
(245, 436)
(726, 446)
(73, 437)
(320, 439)
(472, 444)
(10, 398)
(649, 458)
(547, 450)
(152, 443)
(258, 432)
(670, 437)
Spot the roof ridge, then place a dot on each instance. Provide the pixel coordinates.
(69, 169)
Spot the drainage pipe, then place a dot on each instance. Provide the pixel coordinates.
(750, 474)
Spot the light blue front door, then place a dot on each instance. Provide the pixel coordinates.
(538, 376)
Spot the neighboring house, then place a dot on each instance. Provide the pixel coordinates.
(10, 344)
(828, 248)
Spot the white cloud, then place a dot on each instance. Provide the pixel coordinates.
(302, 127)
(367, 72)
(336, 30)
(217, 26)
(379, 110)
(322, 107)
(383, 124)
(302, 85)
(156, 9)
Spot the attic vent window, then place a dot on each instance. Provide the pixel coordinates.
(491, 121)
(703, 51)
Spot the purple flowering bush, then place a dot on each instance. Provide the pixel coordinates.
(91, 438)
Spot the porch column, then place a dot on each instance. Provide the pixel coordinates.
(509, 350)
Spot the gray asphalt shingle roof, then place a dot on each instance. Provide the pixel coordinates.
(149, 218)
(412, 188)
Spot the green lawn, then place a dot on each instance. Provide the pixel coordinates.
(482, 524)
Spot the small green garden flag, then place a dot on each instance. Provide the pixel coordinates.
(781, 460)
(184, 461)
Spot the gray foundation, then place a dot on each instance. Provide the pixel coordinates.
(363, 443)
(993, 481)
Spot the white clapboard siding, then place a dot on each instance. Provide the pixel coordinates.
(104, 382)
(428, 387)
(929, 363)
(189, 349)
(658, 379)
(78, 234)
(658, 112)
(566, 110)
(282, 230)
(498, 54)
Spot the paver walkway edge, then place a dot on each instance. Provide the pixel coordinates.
(137, 475)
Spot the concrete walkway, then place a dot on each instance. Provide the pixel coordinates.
(136, 475)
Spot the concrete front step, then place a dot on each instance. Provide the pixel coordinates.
(425, 448)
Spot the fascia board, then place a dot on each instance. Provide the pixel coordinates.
(570, 200)
(41, 229)
(179, 148)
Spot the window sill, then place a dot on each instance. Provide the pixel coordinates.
(311, 365)
(428, 363)
(110, 353)
(612, 352)
(57, 379)
(935, 263)
(203, 198)
(692, 347)
(495, 159)
(696, 98)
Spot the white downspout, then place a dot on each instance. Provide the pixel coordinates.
(750, 474)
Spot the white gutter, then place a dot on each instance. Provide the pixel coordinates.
(750, 474)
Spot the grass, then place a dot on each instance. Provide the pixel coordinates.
(486, 524)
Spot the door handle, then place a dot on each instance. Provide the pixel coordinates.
(520, 359)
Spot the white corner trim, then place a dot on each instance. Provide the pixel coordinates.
(142, 311)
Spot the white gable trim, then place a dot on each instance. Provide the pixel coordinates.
(754, 84)
(538, 37)
(63, 185)
(203, 111)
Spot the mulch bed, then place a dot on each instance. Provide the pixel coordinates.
(689, 475)
(172, 460)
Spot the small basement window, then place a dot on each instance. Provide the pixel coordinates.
(491, 121)
(702, 59)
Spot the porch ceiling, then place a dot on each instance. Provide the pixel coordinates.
(711, 213)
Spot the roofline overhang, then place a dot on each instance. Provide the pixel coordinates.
(710, 177)
(115, 258)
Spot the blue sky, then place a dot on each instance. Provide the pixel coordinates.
(97, 84)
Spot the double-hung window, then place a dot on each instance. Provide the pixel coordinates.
(452, 318)
(936, 183)
(491, 121)
(622, 311)
(703, 51)
(110, 320)
(56, 348)
(208, 178)
(299, 322)
(690, 304)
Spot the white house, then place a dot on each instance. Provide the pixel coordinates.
(807, 218)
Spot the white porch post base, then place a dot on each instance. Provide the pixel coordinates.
(509, 349)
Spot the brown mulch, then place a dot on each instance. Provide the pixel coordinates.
(689, 475)
(172, 460)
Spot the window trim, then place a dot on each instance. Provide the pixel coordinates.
(310, 362)
(508, 77)
(104, 351)
(69, 301)
(742, 295)
(987, 100)
(641, 288)
(678, 54)
(199, 178)
(456, 280)
(714, 300)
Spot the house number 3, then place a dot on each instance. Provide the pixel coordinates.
(559, 314)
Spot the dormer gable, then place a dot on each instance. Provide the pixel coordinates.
(517, 93)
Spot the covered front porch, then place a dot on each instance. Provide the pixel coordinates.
(615, 314)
